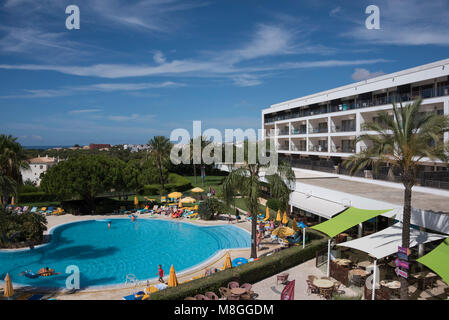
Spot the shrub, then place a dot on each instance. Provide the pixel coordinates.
(32, 197)
(251, 272)
(273, 204)
(175, 183)
(102, 206)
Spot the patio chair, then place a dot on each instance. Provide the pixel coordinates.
(358, 280)
(327, 293)
(233, 297)
(211, 295)
(312, 277)
(337, 285)
(224, 292)
(311, 288)
(233, 284)
(282, 278)
(201, 297)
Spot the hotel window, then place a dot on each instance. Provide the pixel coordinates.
(41, 167)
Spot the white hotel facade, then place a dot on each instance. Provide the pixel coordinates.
(325, 125)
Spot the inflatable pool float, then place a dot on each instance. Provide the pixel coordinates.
(239, 261)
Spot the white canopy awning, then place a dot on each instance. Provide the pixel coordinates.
(321, 207)
(384, 243)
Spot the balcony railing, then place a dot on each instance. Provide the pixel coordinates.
(365, 103)
(318, 130)
(299, 131)
(347, 128)
(283, 132)
(338, 149)
(318, 148)
(298, 148)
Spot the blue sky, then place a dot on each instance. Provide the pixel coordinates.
(136, 69)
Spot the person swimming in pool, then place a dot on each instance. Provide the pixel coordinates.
(109, 225)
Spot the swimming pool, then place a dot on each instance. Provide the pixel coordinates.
(105, 256)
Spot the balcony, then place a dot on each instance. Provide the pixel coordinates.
(283, 132)
(346, 128)
(318, 130)
(318, 148)
(298, 148)
(359, 103)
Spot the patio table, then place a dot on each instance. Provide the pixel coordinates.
(323, 283)
(359, 272)
(391, 284)
(365, 264)
(238, 291)
(343, 262)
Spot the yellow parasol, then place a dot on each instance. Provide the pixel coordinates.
(12, 201)
(283, 232)
(267, 214)
(197, 190)
(172, 280)
(9, 290)
(175, 195)
(228, 262)
(278, 217)
(188, 200)
(180, 204)
(295, 225)
(136, 201)
(284, 218)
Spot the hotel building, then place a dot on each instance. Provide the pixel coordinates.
(318, 131)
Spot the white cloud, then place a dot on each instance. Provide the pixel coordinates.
(80, 111)
(159, 57)
(364, 74)
(335, 11)
(132, 117)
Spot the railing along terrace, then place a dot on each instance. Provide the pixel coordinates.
(365, 103)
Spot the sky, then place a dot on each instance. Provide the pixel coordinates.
(136, 69)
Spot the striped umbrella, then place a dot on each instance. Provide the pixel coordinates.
(278, 217)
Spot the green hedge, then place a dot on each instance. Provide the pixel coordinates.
(175, 183)
(32, 197)
(248, 273)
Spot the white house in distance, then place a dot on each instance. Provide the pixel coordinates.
(38, 166)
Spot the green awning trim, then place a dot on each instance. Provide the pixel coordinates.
(438, 260)
(346, 220)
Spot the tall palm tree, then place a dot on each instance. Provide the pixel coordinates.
(245, 181)
(12, 159)
(160, 147)
(196, 157)
(402, 141)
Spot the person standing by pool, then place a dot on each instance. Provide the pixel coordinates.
(161, 274)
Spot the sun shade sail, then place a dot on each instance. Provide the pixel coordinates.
(324, 208)
(438, 260)
(346, 220)
(386, 242)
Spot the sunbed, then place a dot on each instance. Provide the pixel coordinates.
(33, 210)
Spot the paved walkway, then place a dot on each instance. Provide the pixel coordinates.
(268, 289)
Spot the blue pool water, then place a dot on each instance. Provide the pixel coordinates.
(105, 256)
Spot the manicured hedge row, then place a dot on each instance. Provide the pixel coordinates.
(32, 197)
(248, 273)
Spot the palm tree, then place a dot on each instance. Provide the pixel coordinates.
(160, 147)
(195, 157)
(246, 182)
(402, 141)
(12, 159)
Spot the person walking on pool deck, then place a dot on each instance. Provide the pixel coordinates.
(161, 274)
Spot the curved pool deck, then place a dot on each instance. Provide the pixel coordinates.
(107, 262)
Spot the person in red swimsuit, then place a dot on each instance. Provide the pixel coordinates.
(161, 274)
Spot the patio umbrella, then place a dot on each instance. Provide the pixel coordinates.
(12, 201)
(136, 201)
(197, 190)
(283, 232)
(228, 262)
(188, 200)
(278, 217)
(267, 214)
(289, 291)
(8, 292)
(172, 280)
(175, 195)
(295, 225)
(180, 204)
(284, 218)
